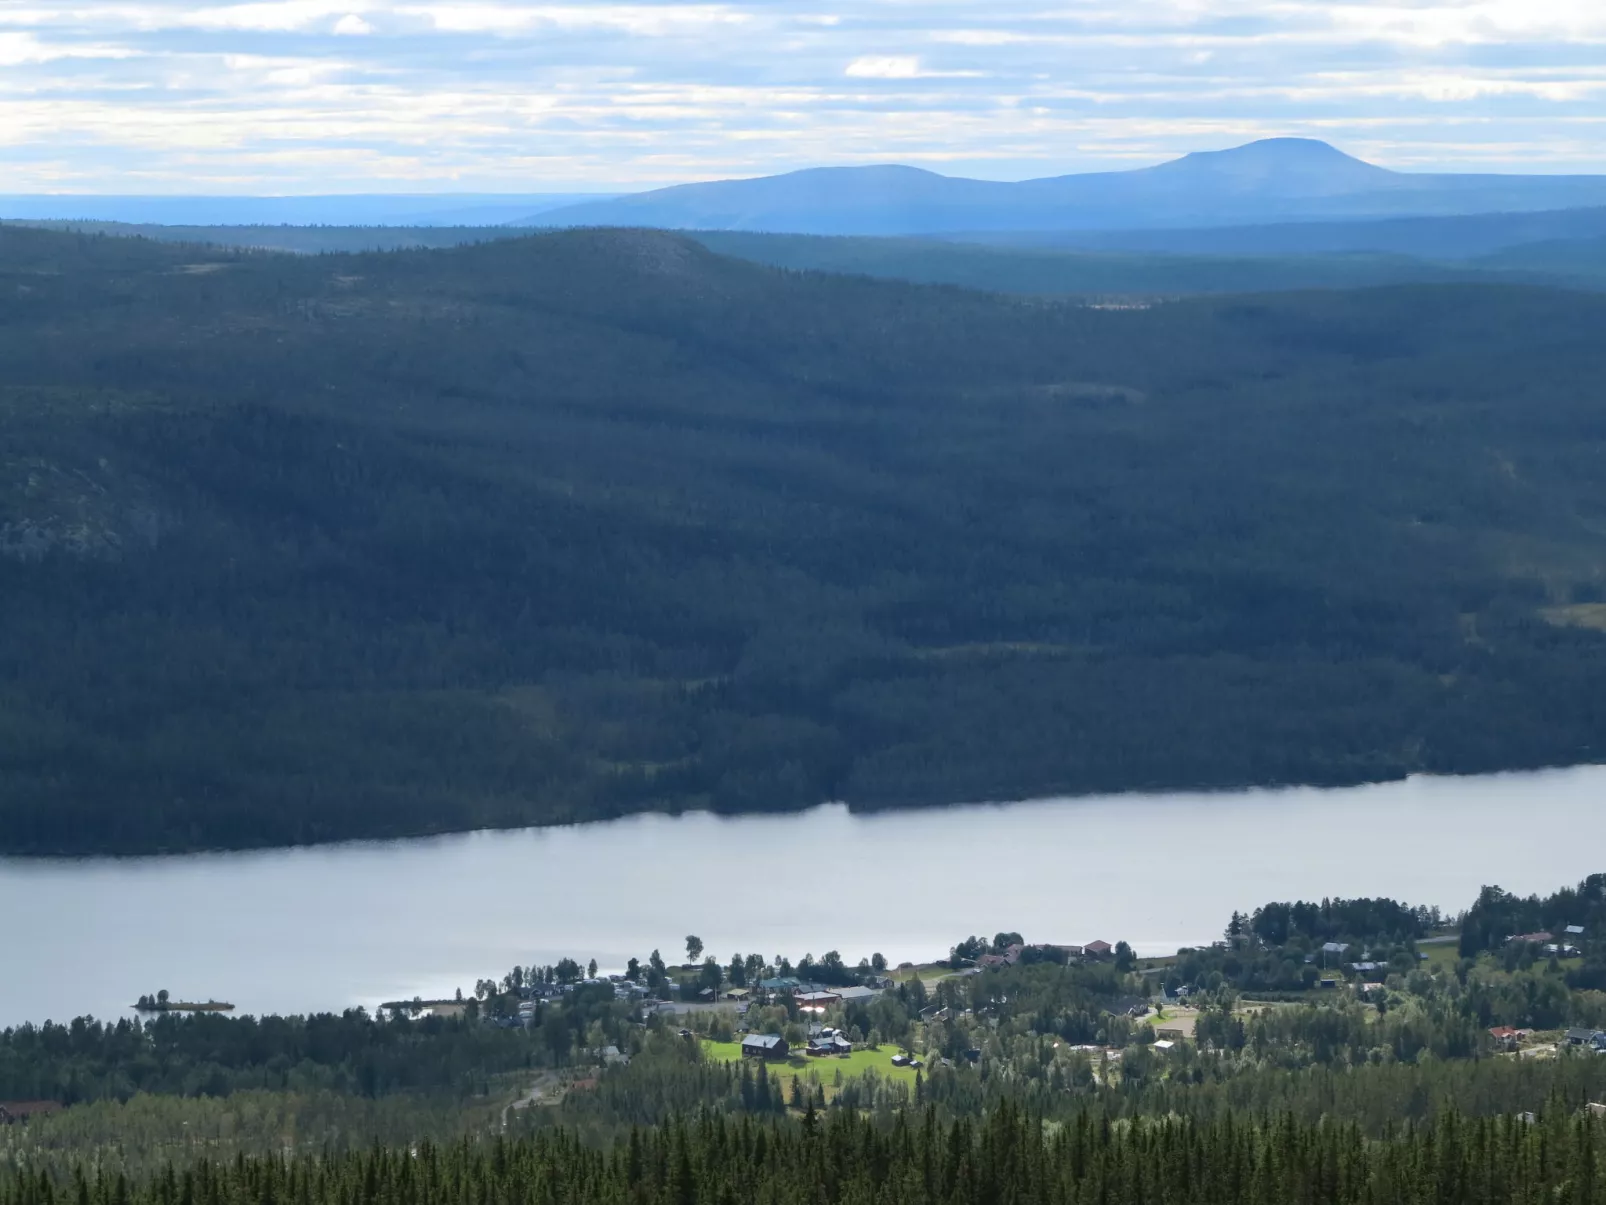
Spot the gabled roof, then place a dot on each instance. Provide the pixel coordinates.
(762, 1041)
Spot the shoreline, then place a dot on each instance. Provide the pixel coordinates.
(185, 1006)
(1268, 791)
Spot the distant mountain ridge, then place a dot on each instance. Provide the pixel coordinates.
(1445, 237)
(1278, 179)
(361, 209)
(1565, 248)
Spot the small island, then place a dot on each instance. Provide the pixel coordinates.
(162, 1002)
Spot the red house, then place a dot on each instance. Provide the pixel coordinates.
(1098, 949)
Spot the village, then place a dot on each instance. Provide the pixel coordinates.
(823, 1024)
(1340, 986)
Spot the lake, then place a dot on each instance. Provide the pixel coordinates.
(329, 927)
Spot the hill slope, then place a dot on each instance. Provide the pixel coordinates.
(1050, 272)
(1272, 180)
(303, 548)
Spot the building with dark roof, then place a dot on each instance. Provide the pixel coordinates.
(765, 1046)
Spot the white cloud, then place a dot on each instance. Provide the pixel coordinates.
(281, 16)
(18, 49)
(643, 20)
(900, 66)
(891, 66)
(523, 95)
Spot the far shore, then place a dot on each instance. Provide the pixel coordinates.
(183, 1006)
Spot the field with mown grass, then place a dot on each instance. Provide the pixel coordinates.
(825, 1070)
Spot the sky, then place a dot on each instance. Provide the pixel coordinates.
(320, 96)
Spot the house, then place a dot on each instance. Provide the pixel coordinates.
(1098, 949)
(856, 995)
(1368, 968)
(1126, 1006)
(830, 1044)
(1583, 1037)
(1164, 1045)
(1171, 1035)
(879, 982)
(765, 1046)
(738, 993)
(1070, 951)
(783, 985)
(1573, 931)
(820, 1000)
(1333, 947)
(1505, 1037)
(990, 961)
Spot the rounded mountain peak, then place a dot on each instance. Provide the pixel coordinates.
(1279, 166)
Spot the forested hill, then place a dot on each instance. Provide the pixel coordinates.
(303, 548)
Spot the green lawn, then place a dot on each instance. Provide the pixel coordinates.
(855, 1064)
(1441, 957)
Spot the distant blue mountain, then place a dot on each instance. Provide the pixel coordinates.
(1274, 180)
(379, 209)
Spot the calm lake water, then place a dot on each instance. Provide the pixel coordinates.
(325, 928)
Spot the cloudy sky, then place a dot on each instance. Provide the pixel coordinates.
(294, 96)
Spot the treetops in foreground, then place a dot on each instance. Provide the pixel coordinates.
(1008, 1158)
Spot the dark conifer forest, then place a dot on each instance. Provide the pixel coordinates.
(296, 549)
(1010, 1158)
